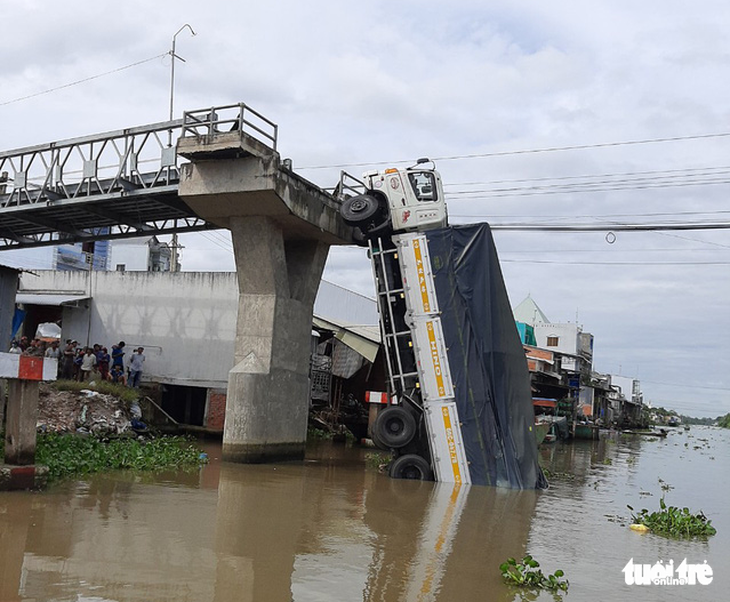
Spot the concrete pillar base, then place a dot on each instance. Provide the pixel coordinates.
(267, 404)
(22, 416)
(15, 478)
(271, 424)
(252, 453)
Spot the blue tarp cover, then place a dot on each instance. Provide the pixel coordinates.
(487, 360)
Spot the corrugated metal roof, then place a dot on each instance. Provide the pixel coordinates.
(363, 339)
(345, 307)
(46, 299)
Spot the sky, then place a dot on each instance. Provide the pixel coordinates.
(526, 107)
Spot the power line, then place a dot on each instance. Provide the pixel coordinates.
(603, 215)
(585, 187)
(604, 227)
(605, 250)
(216, 242)
(549, 149)
(654, 382)
(81, 81)
(634, 263)
(654, 172)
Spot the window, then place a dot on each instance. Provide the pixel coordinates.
(552, 341)
(423, 185)
(121, 267)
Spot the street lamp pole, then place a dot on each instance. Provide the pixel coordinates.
(172, 71)
(173, 56)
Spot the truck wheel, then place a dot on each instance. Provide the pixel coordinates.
(359, 210)
(411, 466)
(394, 427)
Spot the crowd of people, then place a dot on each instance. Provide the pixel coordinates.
(87, 363)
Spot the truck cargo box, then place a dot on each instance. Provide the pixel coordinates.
(487, 362)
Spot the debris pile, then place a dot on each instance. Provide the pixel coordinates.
(85, 411)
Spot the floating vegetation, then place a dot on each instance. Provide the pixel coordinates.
(664, 485)
(377, 460)
(528, 574)
(71, 455)
(673, 522)
(556, 474)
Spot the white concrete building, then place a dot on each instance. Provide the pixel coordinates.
(567, 339)
(186, 322)
(140, 255)
(629, 387)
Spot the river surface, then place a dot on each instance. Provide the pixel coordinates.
(333, 528)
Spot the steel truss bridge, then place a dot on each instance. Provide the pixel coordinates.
(119, 184)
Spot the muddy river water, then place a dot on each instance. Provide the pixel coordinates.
(333, 528)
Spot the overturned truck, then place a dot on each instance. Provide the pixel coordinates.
(460, 405)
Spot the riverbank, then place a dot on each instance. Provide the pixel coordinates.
(86, 428)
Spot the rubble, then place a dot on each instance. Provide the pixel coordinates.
(84, 411)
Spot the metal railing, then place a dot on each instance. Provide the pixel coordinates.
(348, 186)
(101, 164)
(205, 124)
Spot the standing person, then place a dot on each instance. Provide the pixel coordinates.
(102, 362)
(78, 358)
(88, 361)
(67, 369)
(34, 348)
(135, 367)
(53, 351)
(118, 354)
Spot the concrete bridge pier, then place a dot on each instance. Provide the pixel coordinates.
(278, 281)
(282, 227)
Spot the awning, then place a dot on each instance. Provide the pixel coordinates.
(544, 402)
(363, 339)
(49, 299)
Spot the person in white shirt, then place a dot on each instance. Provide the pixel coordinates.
(87, 364)
(135, 367)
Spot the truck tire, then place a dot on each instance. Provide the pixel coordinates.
(411, 466)
(395, 427)
(360, 210)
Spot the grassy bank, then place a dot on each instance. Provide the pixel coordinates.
(122, 392)
(71, 455)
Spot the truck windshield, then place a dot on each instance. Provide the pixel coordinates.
(424, 185)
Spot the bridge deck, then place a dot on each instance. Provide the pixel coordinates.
(117, 184)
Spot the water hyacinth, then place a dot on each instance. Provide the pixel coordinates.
(528, 574)
(671, 521)
(71, 455)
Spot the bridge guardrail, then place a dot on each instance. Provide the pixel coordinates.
(347, 186)
(108, 163)
(207, 123)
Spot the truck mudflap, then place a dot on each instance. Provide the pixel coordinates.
(452, 275)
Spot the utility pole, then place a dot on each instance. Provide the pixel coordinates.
(174, 255)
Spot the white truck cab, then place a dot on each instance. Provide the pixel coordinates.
(396, 200)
